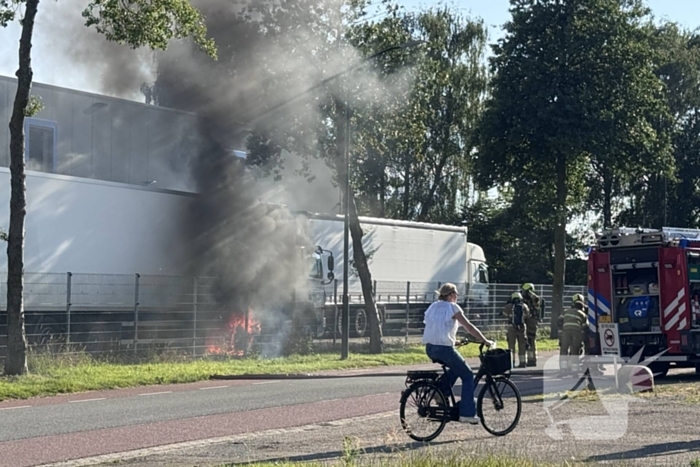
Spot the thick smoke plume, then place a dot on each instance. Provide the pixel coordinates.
(255, 248)
(119, 70)
(269, 52)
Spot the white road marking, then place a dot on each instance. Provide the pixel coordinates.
(268, 382)
(88, 400)
(155, 393)
(213, 387)
(126, 455)
(18, 407)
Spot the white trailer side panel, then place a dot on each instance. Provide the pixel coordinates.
(400, 253)
(93, 227)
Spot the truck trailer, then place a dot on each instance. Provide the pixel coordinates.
(648, 282)
(103, 258)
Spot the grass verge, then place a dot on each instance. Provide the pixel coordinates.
(70, 373)
(688, 393)
(461, 459)
(678, 390)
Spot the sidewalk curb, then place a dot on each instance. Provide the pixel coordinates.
(292, 376)
(302, 376)
(373, 372)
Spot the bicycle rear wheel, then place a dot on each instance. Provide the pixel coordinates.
(502, 403)
(416, 401)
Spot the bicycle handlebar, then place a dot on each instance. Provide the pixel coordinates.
(466, 341)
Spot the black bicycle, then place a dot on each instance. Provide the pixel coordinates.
(435, 404)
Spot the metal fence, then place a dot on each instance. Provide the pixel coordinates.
(120, 314)
(483, 304)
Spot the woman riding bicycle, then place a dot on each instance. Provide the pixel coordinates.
(442, 320)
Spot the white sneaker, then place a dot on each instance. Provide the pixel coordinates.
(470, 420)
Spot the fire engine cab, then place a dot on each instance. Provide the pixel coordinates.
(648, 281)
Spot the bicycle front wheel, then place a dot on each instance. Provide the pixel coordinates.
(499, 406)
(417, 402)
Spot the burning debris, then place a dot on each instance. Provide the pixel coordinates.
(236, 337)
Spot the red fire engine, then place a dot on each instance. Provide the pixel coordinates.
(648, 281)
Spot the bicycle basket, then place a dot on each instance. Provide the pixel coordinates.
(498, 361)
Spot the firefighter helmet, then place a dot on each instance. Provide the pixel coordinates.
(516, 295)
(528, 286)
(577, 298)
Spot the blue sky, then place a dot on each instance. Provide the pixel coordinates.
(495, 12)
(55, 40)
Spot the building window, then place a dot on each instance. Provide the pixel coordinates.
(40, 145)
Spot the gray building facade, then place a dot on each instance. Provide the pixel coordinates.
(99, 137)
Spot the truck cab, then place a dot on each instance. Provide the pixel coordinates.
(478, 276)
(309, 304)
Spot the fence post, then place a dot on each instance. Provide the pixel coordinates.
(247, 320)
(541, 294)
(68, 305)
(136, 312)
(408, 306)
(194, 311)
(335, 307)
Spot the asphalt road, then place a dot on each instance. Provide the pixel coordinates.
(52, 429)
(662, 435)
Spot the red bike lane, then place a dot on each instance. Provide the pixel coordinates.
(52, 449)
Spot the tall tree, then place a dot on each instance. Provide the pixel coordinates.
(547, 116)
(135, 23)
(672, 197)
(632, 135)
(423, 155)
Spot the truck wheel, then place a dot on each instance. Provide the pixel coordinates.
(310, 327)
(45, 333)
(358, 326)
(314, 331)
(100, 339)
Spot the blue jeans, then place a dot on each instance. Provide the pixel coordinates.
(456, 368)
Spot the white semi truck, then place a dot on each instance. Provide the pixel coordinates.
(407, 261)
(89, 242)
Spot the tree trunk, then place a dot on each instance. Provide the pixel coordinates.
(429, 201)
(375, 330)
(406, 187)
(444, 145)
(559, 246)
(16, 362)
(382, 194)
(607, 199)
(359, 257)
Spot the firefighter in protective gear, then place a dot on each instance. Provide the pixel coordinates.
(517, 313)
(569, 324)
(533, 303)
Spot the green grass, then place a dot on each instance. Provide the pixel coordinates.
(70, 373)
(461, 459)
(455, 459)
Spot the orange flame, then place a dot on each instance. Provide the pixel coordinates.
(235, 338)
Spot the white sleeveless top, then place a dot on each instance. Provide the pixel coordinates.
(440, 328)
